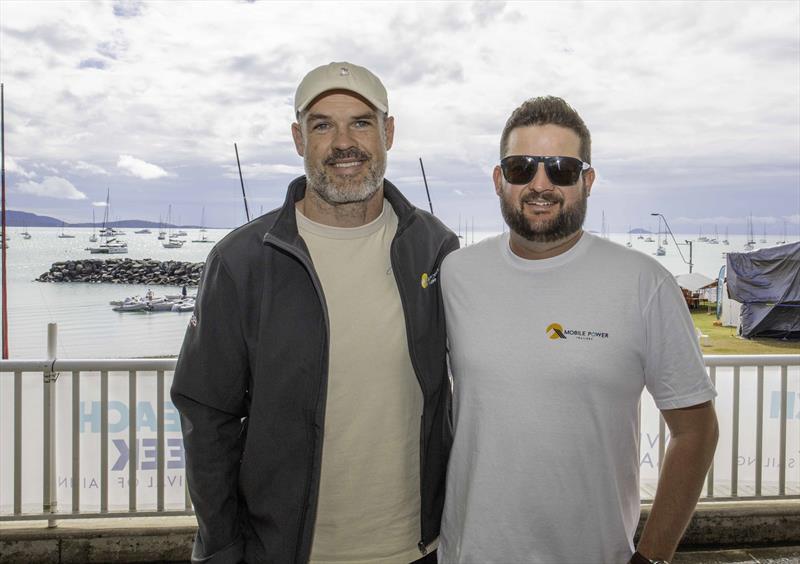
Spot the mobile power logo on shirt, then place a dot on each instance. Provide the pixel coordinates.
(556, 331)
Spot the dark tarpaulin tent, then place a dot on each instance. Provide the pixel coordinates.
(767, 283)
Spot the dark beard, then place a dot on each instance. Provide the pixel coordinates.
(567, 222)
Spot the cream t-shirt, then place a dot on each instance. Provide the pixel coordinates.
(369, 498)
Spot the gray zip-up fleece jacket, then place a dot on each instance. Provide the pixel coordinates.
(251, 380)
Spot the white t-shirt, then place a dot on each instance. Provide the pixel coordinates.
(549, 358)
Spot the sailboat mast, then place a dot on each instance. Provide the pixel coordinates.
(425, 180)
(241, 181)
(3, 241)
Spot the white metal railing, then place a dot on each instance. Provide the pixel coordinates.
(48, 372)
(140, 370)
(759, 362)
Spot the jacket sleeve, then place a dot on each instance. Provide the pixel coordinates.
(209, 390)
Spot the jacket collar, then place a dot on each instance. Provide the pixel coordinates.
(285, 227)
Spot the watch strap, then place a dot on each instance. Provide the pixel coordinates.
(639, 558)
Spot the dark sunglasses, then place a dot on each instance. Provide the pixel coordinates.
(562, 171)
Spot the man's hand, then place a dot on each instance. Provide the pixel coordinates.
(693, 439)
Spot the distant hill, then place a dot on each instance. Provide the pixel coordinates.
(26, 219)
(638, 230)
(16, 218)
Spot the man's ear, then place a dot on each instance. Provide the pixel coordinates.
(388, 126)
(588, 180)
(297, 135)
(497, 176)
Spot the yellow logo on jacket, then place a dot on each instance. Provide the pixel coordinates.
(428, 279)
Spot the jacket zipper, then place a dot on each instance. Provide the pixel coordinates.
(422, 545)
(312, 273)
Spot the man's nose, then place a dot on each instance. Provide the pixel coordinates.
(540, 181)
(343, 138)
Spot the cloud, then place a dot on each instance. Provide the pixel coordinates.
(99, 204)
(89, 168)
(52, 187)
(720, 83)
(57, 37)
(14, 167)
(139, 168)
(113, 48)
(484, 11)
(92, 64)
(46, 167)
(263, 171)
(457, 192)
(407, 179)
(128, 8)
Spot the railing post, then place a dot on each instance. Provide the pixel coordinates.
(50, 497)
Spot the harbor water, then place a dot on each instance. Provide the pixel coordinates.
(88, 328)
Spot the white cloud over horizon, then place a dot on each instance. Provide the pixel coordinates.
(51, 187)
(89, 168)
(140, 169)
(262, 171)
(14, 167)
(694, 108)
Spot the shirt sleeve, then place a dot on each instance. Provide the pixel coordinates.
(675, 374)
(209, 390)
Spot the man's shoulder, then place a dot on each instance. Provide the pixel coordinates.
(474, 256)
(432, 225)
(621, 258)
(618, 268)
(246, 240)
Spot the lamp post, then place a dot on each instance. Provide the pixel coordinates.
(677, 245)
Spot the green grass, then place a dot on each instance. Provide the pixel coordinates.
(724, 340)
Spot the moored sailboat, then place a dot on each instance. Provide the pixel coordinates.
(751, 240)
(172, 241)
(203, 237)
(111, 245)
(63, 235)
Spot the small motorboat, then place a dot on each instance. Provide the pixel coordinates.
(153, 303)
(131, 306)
(183, 305)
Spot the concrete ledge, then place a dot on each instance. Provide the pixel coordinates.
(741, 523)
(773, 555)
(161, 539)
(35, 550)
(735, 527)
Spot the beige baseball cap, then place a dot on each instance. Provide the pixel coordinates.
(341, 76)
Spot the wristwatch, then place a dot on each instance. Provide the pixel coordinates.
(639, 558)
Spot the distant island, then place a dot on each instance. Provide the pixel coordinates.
(634, 231)
(26, 219)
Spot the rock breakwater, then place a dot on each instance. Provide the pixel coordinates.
(125, 271)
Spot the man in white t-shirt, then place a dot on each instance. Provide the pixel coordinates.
(553, 334)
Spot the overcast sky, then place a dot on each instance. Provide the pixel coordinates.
(694, 107)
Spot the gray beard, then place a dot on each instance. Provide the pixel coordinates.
(567, 222)
(336, 191)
